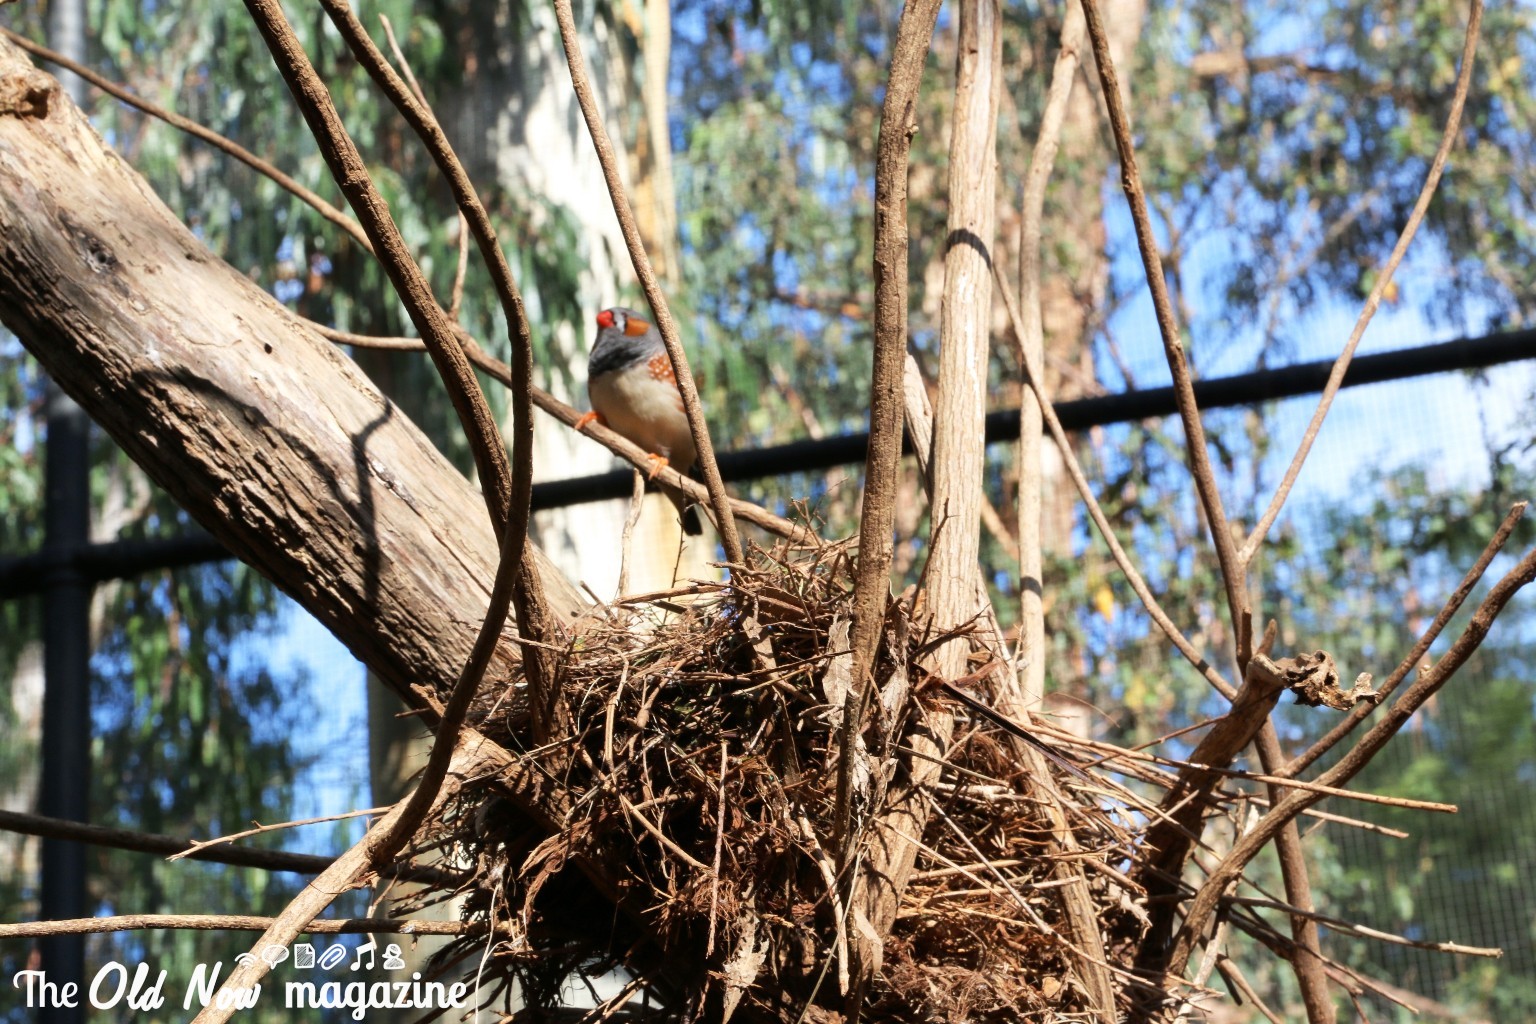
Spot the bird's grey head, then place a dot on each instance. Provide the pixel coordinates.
(624, 337)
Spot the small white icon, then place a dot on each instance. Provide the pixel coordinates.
(393, 961)
(333, 956)
(367, 947)
(303, 955)
(245, 958)
(274, 953)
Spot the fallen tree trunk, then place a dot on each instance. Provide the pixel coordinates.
(263, 431)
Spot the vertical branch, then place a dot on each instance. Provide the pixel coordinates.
(960, 410)
(719, 501)
(898, 123)
(1031, 421)
(1232, 572)
(957, 468)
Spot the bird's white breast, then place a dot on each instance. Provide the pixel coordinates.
(647, 411)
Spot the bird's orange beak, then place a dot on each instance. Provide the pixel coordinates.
(605, 318)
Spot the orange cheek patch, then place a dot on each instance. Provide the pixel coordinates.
(634, 327)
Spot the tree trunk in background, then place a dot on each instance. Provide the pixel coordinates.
(1072, 296)
(516, 124)
(1069, 301)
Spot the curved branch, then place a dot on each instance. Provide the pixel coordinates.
(208, 135)
(528, 591)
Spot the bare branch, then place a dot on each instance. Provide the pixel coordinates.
(390, 834)
(1232, 569)
(1411, 661)
(176, 846)
(213, 138)
(1032, 379)
(898, 123)
(197, 845)
(528, 589)
(1286, 810)
(234, 922)
(730, 540)
(1341, 365)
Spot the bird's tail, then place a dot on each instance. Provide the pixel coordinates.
(687, 512)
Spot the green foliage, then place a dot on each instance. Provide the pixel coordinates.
(1308, 133)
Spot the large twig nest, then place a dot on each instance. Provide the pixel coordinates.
(705, 754)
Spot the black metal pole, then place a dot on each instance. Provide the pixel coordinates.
(20, 575)
(65, 782)
(1081, 413)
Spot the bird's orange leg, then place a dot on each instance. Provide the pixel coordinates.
(658, 463)
(589, 417)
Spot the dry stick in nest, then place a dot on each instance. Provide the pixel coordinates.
(1285, 811)
(720, 502)
(533, 619)
(1308, 965)
(1293, 865)
(877, 514)
(391, 833)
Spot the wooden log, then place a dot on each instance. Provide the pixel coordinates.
(264, 432)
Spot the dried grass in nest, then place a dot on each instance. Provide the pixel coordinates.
(718, 867)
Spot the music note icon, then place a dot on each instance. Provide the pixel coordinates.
(367, 947)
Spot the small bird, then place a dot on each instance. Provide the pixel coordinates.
(634, 392)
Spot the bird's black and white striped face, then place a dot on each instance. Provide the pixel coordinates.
(624, 338)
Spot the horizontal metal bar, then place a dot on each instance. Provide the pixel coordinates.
(26, 574)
